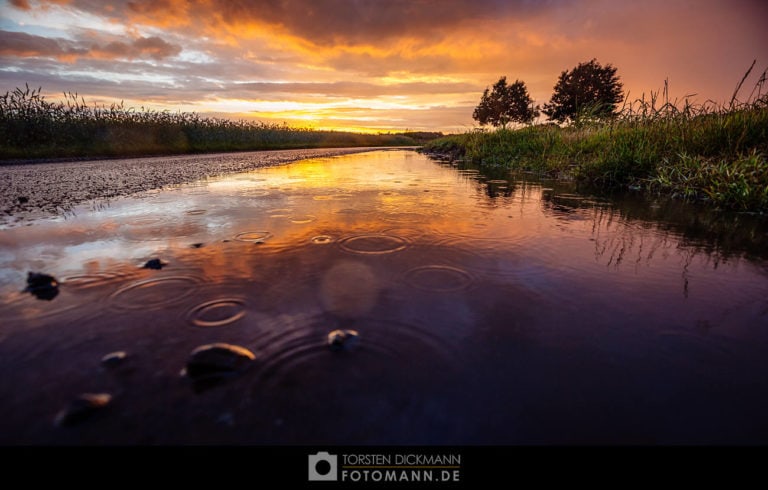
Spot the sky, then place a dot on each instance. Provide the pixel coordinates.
(369, 65)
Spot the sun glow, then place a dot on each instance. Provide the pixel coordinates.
(395, 65)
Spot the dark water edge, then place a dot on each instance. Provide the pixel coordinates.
(491, 309)
(720, 233)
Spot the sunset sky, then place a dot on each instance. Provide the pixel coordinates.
(369, 65)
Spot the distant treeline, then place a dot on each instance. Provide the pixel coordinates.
(32, 127)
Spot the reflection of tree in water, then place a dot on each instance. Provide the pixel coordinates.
(633, 220)
(495, 183)
(499, 188)
(630, 229)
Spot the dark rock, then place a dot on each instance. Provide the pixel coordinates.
(83, 408)
(197, 245)
(343, 339)
(217, 361)
(42, 286)
(114, 359)
(156, 264)
(23, 199)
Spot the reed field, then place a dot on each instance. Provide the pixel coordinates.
(32, 127)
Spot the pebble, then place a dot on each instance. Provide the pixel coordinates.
(343, 339)
(42, 286)
(82, 408)
(113, 359)
(156, 264)
(217, 361)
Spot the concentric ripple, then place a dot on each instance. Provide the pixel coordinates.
(404, 217)
(94, 280)
(373, 244)
(217, 313)
(322, 240)
(154, 293)
(302, 219)
(300, 351)
(280, 213)
(439, 278)
(253, 236)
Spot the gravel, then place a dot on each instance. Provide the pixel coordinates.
(54, 188)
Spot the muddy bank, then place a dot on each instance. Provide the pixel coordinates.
(53, 188)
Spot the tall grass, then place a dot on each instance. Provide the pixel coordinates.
(32, 127)
(706, 152)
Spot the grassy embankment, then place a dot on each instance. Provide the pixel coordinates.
(705, 152)
(32, 127)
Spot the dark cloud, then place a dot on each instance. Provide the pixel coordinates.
(22, 44)
(322, 22)
(152, 47)
(330, 22)
(320, 51)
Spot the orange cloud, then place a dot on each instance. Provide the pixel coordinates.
(414, 63)
(21, 4)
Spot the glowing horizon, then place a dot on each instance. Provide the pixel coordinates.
(364, 65)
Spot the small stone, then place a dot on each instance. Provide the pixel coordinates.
(113, 359)
(42, 286)
(156, 264)
(23, 199)
(82, 408)
(343, 339)
(217, 361)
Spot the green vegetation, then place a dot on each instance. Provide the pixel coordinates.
(698, 152)
(32, 127)
(505, 104)
(715, 155)
(589, 90)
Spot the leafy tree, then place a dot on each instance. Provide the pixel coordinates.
(505, 104)
(590, 89)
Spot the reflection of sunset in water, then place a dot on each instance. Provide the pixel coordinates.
(489, 308)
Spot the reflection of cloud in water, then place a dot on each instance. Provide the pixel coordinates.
(498, 297)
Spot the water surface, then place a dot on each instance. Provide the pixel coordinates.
(491, 308)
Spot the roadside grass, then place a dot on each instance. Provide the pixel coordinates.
(698, 152)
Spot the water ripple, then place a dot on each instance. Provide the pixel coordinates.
(217, 313)
(154, 293)
(439, 278)
(253, 236)
(373, 244)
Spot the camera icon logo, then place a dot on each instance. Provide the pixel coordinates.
(322, 467)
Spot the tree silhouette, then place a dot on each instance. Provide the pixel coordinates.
(505, 104)
(589, 90)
